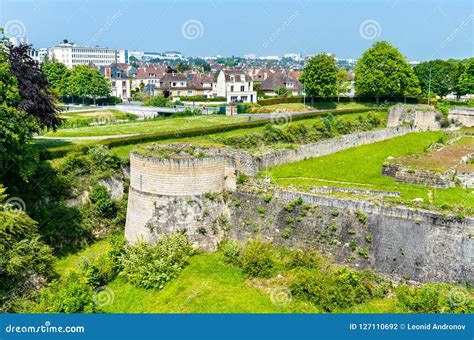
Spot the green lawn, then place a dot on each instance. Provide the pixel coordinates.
(300, 107)
(150, 126)
(206, 285)
(88, 115)
(361, 168)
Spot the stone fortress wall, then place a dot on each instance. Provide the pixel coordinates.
(421, 117)
(463, 115)
(401, 242)
(198, 196)
(166, 194)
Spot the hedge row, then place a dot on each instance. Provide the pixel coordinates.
(300, 99)
(201, 99)
(144, 138)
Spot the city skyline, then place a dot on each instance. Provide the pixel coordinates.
(209, 28)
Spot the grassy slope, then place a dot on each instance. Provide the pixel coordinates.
(72, 262)
(146, 126)
(299, 107)
(206, 285)
(124, 151)
(361, 167)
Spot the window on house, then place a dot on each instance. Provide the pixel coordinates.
(232, 88)
(242, 88)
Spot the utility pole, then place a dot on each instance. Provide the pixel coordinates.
(429, 88)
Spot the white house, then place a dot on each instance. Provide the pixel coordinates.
(235, 86)
(119, 80)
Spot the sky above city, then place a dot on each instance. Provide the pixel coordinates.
(422, 30)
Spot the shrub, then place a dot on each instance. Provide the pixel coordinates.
(72, 295)
(258, 259)
(435, 298)
(97, 272)
(286, 233)
(337, 288)
(307, 258)
(152, 266)
(267, 198)
(290, 207)
(75, 164)
(187, 112)
(242, 178)
(231, 251)
(102, 201)
(158, 101)
(361, 216)
(102, 159)
(364, 252)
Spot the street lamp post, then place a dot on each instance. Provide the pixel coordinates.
(304, 94)
(429, 88)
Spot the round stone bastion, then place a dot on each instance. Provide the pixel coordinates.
(176, 187)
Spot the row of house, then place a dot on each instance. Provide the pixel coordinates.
(233, 85)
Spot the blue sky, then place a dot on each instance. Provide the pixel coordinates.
(424, 29)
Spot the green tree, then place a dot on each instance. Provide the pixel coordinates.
(383, 71)
(465, 84)
(443, 76)
(342, 82)
(281, 91)
(85, 82)
(58, 77)
(33, 87)
(23, 255)
(320, 76)
(99, 86)
(17, 157)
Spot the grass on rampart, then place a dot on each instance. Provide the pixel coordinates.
(361, 167)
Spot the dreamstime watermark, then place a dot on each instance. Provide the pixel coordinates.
(280, 296)
(370, 29)
(103, 296)
(192, 29)
(286, 23)
(104, 28)
(466, 21)
(281, 119)
(14, 29)
(46, 328)
(457, 297)
(14, 206)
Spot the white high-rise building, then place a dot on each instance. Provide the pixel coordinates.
(71, 55)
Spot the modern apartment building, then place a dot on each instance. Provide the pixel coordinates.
(71, 55)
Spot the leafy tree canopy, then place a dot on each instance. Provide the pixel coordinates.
(57, 75)
(383, 71)
(320, 76)
(444, 76)
(33, 87)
